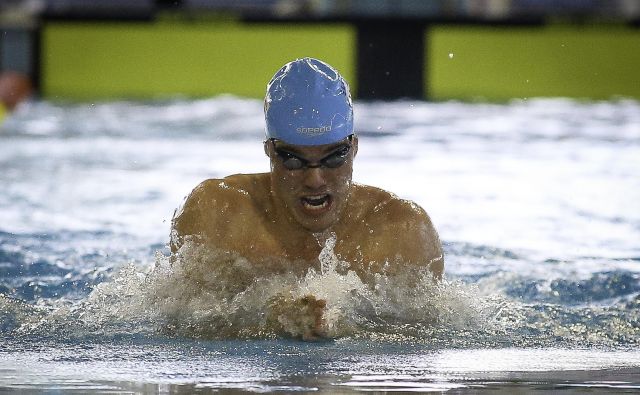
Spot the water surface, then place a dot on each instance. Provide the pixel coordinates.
(535, 202)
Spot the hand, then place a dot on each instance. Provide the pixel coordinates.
(299, 317)
(312, 314)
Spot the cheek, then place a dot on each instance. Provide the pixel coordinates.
(284, 184)
(342, 180)
(342, 183)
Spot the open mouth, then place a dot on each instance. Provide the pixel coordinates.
(316, 202)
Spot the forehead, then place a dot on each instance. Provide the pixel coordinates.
(310, 149)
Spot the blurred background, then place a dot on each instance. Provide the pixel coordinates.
(435, 50)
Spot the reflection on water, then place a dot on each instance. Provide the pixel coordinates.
(534, 202)
(158, 364)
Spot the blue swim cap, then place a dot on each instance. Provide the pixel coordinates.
(308, 103)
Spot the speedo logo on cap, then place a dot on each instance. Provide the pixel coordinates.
(314, 131)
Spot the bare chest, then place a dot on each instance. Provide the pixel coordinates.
(259, 236)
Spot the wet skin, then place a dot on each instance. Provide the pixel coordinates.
(285, 216)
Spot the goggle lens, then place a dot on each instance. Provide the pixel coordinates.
(331, 161)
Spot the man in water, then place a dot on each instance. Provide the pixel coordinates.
(288, 214)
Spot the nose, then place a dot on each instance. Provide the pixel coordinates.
(314, 178)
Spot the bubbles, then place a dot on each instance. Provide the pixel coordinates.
(211, 294)
(13, 312)
(205, 293)
(221, 296)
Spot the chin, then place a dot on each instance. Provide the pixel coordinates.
(316, 225)
(317, 228)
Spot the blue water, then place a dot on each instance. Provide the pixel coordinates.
(535, 202)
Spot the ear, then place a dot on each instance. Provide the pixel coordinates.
(354, 144)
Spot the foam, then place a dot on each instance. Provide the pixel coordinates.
(212, 294)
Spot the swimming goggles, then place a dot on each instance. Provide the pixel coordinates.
(332, 161)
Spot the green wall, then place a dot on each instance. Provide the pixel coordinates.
(597, 62)
(168, 58)
(84, 61)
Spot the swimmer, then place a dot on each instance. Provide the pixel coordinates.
(287, 214)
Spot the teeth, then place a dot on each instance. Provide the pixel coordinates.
(316, 202)
(309, 206)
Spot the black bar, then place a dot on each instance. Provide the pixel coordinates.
(390, 59)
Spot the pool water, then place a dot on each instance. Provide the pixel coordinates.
(536, 202)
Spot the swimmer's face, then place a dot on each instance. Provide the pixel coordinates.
(312, 182)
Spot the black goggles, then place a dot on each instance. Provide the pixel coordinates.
(332, 161)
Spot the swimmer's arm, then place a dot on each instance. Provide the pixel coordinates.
(190, 221)
(214, 214)
(413, 236)
(432, 254)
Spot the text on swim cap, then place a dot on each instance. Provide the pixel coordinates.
(313, 131)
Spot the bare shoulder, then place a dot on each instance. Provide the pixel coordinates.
(404, 227)
(226, 191)
(211, 202)
(385, 207)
